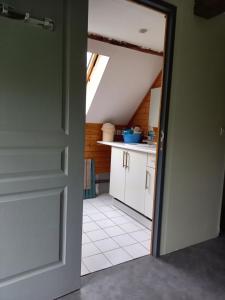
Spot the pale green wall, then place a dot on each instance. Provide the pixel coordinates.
(196, 152)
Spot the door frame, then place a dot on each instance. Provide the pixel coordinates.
(170, 11)
(222, 215)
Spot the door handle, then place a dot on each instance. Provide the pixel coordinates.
(222, 131)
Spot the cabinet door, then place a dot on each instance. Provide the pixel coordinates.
(135, 180)
(149, 192)
(117, 174)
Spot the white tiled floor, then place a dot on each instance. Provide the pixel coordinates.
(110, 237)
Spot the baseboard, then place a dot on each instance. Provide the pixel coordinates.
(133, 214)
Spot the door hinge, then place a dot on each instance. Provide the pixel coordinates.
(11, 13)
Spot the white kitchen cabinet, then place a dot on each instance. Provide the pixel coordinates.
(135, 180)
(117, 174)
(132, 179)
(149, 192)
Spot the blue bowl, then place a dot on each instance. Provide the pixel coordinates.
(132, 138)
(128, 131)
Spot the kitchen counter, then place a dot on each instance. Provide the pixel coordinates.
(151, 149)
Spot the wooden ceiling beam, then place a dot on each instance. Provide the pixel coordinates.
(100, 38)
(209, 8)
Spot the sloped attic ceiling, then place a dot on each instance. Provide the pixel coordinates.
(129, 74)
(122, 20)
(127, 78)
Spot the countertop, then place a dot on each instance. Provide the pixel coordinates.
(151, 149)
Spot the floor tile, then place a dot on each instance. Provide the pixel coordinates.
(90, 211)
(129, 227)
(106, 245)
(113, 231)
(148, 230)
(136, 250)
(97, 262)
(114, 213)
(120, 220)
(110, 236)
(109, 203)
(107, 209)
(105, 223)
(85, 239)
(139, 225)
(124, 240)
(141, 235)
(97, 217)
(87, 204)
(86, 219)
(84, 269)
(89, 249)
(98, 205)
(147, 244)
(97, 235)
(91, 226)
(105, 196)
(118, 256)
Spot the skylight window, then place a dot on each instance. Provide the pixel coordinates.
(89, 54)
(91, 62)
(96, 65)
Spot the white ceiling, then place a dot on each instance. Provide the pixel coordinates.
(122, 20)
(128, 76)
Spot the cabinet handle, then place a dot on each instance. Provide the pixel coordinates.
(124, 158)
(146, 180)
(127, 159)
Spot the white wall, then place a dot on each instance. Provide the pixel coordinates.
(121, 20)
(196, 153)
(127, 78)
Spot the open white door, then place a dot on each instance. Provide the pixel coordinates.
(42, 108)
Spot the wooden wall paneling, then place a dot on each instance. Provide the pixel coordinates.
(100, 153)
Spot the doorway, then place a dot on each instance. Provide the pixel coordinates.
(114, 229)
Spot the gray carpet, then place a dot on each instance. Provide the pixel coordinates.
(194, 273)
